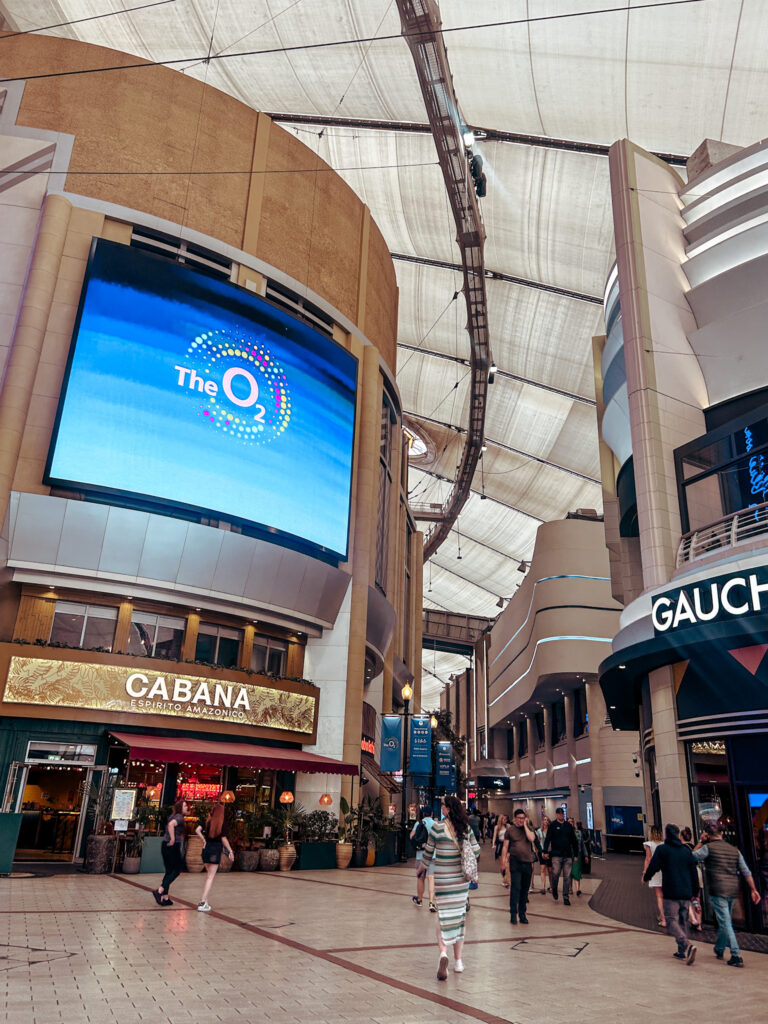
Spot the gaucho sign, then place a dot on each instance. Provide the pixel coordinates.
(725, 597)
(75, 684)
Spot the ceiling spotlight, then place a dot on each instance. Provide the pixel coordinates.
(483, 447)
(500, 603)
(523, 567)
(469, 137)
(492, 371)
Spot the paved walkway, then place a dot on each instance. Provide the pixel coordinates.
(330, 947)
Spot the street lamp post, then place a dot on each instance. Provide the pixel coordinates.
(433, 726)
(406, 693)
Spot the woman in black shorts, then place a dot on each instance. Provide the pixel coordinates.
(216, 840)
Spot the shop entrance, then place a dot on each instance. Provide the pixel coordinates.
(51, 789)
(51, 803)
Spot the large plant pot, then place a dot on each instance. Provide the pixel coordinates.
(316, 856)
(343, 854)
(152, 856)
(359, 856)
(99, 855)
(370, 859)
(287, 856)
(194, 857)
(10, 824)
(269, 860)
(131, 865)
(248, 860)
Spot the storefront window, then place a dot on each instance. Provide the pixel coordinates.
(219, 645)
(84, 625)
(254, 790)
(522, 738)
(558, 722)
(712, 795)
(580, 726)
(146, 777)
(541, 732)
(199, 782)
(155, 636)
(269, 656)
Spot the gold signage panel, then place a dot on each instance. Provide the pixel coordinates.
(74, 684)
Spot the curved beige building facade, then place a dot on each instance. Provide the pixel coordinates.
(156, 163)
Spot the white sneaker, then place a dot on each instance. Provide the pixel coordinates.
(458, 966)
(204, 907)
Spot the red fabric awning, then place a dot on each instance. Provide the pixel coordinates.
(240, 755)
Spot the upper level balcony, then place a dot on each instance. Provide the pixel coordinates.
(734, 534)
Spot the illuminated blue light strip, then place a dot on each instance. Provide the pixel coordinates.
(563, 765)
(584, 760)
(545, 579)
(549, 640)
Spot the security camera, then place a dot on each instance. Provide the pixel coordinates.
(634, 759)
(637, 775)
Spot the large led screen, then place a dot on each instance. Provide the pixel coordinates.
(190, 391)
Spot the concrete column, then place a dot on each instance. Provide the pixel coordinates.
(671, 769)
(29, 336)
(596, 712)
(364, 551)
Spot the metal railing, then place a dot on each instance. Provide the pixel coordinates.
(738, 528)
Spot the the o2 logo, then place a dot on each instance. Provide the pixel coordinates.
(243, 387)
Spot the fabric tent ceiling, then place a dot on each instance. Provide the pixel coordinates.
(241, 755)
(665, 76)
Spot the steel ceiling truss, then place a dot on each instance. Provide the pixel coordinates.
(421, 25)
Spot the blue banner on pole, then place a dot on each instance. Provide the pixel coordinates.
(453, 779)
(391, 742)
(420, 746)
(444, 765)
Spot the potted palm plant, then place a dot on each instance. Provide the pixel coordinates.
(287, 819)
(347, 823)
(132, 855)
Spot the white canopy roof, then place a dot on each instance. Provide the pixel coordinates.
(667, 75)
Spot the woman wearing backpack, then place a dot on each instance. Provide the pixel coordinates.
(444, 848)
(419, 836)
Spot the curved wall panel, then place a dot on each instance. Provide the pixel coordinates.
(185, 144)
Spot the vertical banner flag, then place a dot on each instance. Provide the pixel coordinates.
(452, 788)
(391, 739)
(444, 764)
(420, 746)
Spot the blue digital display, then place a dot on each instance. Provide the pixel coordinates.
(188, 391)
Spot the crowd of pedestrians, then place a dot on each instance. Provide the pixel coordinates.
(674, 868)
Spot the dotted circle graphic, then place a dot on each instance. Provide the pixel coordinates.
(213, 354)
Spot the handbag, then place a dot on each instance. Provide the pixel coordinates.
(694, 912)
(467, 854)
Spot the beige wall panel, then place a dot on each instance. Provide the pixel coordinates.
(336, 230)
(286, 212)
(381, 299)
(143, 120)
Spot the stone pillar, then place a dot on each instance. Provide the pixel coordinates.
(596, 712)
(21, 369)
(671, 770)
(364, 551)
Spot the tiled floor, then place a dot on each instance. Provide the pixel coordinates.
(329, 947)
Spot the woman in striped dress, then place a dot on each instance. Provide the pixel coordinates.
(451, 888)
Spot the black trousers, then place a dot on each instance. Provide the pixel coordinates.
(172, 861)
(519, 883)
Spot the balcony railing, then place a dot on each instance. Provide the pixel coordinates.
(729, 532)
